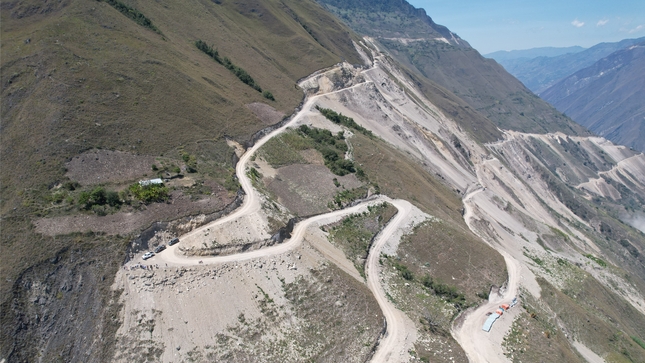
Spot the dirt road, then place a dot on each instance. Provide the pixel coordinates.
(392, 347)
(477, 343)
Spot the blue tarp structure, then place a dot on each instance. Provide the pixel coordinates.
(489, 322)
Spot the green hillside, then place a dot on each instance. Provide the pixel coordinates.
(108, 77)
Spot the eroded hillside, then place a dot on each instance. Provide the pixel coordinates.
(383, 221)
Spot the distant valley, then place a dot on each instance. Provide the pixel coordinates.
(601, 87)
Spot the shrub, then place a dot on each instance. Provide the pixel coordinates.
(405, 272)
(240, 73)
(268, 95)
(99, 210)
(133, 14)
(149, 193)
(112, 198)
(448, 292)
(84, 198)
(98, 196)
(71, 186)
(339, 118)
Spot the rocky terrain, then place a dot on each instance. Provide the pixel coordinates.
(442, 215)
(606, 96)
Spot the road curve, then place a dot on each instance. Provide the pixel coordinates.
(392, 346)
(470, 336)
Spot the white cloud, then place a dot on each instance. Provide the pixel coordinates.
(637, 29)
(577, 23)
(602, 22)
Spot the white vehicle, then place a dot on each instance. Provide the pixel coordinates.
(147, 255)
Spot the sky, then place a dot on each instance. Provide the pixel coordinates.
(492, 25)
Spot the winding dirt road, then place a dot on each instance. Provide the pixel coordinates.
(474, 341)
(392, 347)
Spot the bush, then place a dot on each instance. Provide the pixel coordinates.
(268, 95)
(405, 272)
(240, 73)
(448, 292)
(112, 198)
(98, 196)
(71, 186)
(149, 193)
(133, 14)
(339, 118)
(99, 210)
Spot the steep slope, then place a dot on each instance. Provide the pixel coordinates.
(607, 97)
(393, 19)
(541, 72)
(445, 59)
(98, 95)
(471, 217)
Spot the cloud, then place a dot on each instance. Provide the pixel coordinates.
(637, 29)
(602, 22)
(577, 23)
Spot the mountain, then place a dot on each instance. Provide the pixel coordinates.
(525, 54)
(539, 73)
(442, 57)
(607, 97)
(265, 181)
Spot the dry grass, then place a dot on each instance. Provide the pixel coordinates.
(336, 320)
(90, 78)
(594, 315)
(531, 339)
(399, 176)
(454, 257)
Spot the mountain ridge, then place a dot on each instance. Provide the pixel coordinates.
(497, 195)
(607, 97)
(539, 73)
(503, 55)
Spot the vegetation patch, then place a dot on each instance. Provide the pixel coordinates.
(240, 73)
(354, 234)
(133, 14)
(608, 333)
(534, 338)
(347, 196)
(332, 147)
(340, 119)
(450, 293)
(597, 260)
(150, 193)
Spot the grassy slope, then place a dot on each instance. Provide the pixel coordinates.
(89, 77)
(92, 78)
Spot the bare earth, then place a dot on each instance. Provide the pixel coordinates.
(106, 166)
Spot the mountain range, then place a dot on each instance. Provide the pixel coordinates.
(297, 180)
(607, 97)
(541, 72)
